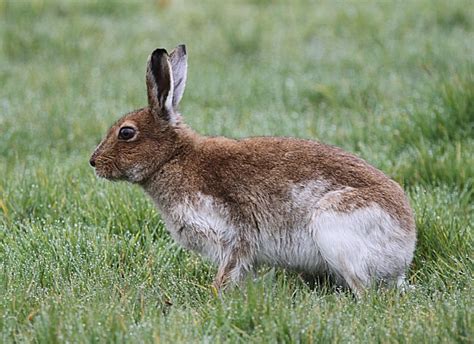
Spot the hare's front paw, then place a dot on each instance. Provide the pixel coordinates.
(231, 271)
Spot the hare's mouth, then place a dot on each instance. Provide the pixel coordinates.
(110, 177)
(109, 172)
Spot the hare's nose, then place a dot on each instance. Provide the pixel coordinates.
(92, 162)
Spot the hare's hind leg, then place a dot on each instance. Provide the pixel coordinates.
(360, 246)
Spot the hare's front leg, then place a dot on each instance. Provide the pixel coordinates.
(233, 268)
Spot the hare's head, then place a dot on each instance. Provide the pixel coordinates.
(141, 141)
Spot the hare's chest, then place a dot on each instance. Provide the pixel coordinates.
(200, 225)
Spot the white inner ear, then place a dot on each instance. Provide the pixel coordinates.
(169, 97)
(179, 65)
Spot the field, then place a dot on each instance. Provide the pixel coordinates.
(87, 260)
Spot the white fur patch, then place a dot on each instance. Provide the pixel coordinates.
(202, 226)
(362, 245)
(309, 192)
(169, 98)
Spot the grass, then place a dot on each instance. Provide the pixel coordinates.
(85, 260)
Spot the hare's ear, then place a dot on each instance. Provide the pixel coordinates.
(179, 67)
(159, 82)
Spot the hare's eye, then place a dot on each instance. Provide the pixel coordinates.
(126, 133)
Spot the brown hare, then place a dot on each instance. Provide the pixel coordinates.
(292, 203)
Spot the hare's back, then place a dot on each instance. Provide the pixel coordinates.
(280, 160)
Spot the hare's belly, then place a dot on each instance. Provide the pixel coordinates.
(291, 249)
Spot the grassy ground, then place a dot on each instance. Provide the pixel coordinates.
(85, 260)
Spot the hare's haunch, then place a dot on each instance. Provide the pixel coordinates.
(297, 204)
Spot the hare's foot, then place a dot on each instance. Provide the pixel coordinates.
(232, 270)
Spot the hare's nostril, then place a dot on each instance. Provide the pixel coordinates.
(92, 162)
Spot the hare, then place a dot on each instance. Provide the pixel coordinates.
(292, 203)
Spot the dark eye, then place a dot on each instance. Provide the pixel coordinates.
(126, 133)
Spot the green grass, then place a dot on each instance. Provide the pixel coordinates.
(86, 260)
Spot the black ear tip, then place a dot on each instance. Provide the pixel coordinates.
(159, 52)
(183, 48)
(157, 58)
